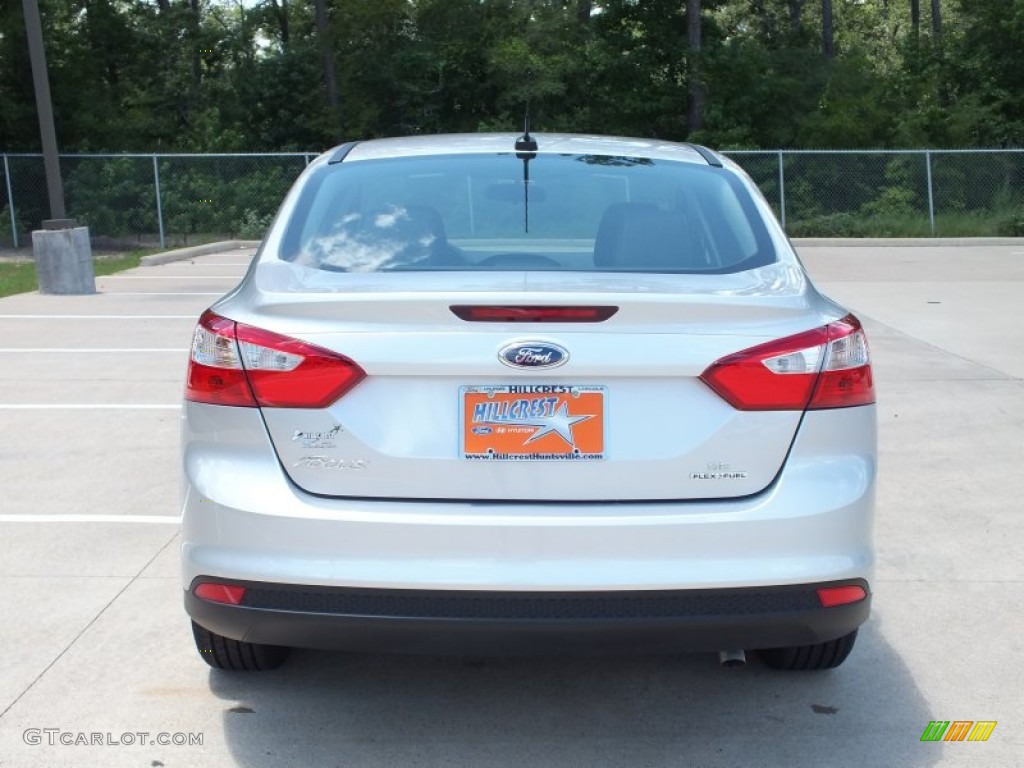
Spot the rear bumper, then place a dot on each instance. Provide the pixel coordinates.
(442, 621)
(244, 521)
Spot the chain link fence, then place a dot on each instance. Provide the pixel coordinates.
(892, 193)
(135, 200)
(131, 200)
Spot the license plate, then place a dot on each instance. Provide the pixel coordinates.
(533, 422)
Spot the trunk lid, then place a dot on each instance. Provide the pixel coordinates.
(623, 417)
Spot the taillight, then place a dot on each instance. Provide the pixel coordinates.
(532, 314)
(237, 364)
(828, 367)
(215, 373)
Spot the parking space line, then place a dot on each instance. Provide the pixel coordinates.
(98, 317)
(64, 350)
(157, 293)
(88, 406)
(137, 519)
(170, 277)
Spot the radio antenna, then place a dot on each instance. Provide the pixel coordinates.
(526, 150)
(526, 143)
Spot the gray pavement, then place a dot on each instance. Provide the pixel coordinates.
(96, 641)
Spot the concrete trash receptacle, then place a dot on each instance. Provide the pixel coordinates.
(64, 261)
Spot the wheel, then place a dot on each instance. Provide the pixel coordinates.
(224, 653)
(827, 655)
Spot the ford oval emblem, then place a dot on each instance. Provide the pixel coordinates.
(533, 354)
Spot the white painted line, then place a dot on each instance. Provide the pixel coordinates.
(94, 351)
(136, 519)
(99, 317)
(152, 293)
(219, 264)
(170, 277)
(87, 407)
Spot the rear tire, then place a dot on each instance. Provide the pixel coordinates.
(827, 655)
(235, 655)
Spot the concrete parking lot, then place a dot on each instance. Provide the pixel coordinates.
(95, 640)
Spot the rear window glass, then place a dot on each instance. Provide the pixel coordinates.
(581, 213)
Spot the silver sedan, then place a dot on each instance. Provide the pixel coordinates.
(503, 394)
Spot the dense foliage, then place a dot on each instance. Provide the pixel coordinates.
(251, 75)
(222, 76)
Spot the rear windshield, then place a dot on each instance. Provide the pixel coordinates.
(579, 213)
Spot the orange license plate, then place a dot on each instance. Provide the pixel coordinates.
(533, 422)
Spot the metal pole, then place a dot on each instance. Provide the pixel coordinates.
(159, 208)
(10, 202)
(931, 197)
(44, 107)
(782, 191)
(306, 157)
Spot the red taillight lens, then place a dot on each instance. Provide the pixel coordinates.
(827, 367)
(288, 373)
(523, 314)
(237, 364)
(846, 376)
(232, 594)
(779, 375)
(833, 596)
(215, 373)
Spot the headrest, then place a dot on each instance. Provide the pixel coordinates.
(639, 236)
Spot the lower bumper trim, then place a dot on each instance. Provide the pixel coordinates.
(512, 623)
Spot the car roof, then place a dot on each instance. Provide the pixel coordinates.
(547, 143)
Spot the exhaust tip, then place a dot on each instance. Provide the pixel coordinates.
(732, 659)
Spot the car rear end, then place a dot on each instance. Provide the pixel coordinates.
(578, 398)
